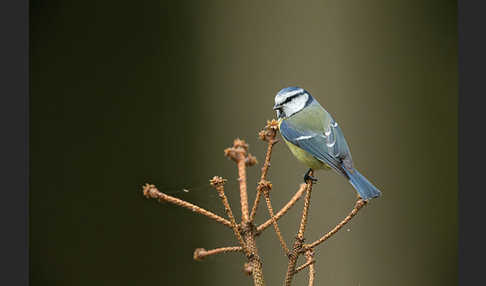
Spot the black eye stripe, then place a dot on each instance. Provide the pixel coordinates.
(292, 97)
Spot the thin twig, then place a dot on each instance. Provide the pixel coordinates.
(303, 266)
(201, 253)
(255, 206)
(309, 255)
(359, 204)
(284, 210)
(263, 177)
(150, 191)
(218, 183)
(293, 255)
(239, 154)
(266, 186)
(243, 191)
(305, 211)
(267, 134)
(299, 240)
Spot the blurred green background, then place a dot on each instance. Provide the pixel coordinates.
(124, 93)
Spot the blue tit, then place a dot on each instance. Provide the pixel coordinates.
(316, 139)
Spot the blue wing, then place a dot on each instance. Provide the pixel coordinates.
(329, 147)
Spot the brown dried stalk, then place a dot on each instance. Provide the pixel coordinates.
(299, 239)
(243, 193)
(359, 204)
(255, 260)
(305, 212)
(284, 210)
(246, 232)
(150, 191)
(305, 265)
(309, 255)
(266, 186)
(239, 154)
(201, 253)
(268, 134)
(218, 183)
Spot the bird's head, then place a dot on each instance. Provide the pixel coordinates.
(291, 100)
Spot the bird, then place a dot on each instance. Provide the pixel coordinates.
(316, 139)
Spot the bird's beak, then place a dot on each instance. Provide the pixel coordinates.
(278, 108)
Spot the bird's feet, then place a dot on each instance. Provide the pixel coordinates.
(308, 177)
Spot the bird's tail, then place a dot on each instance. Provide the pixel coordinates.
(365, 189)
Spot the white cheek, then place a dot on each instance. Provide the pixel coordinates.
(288, 111)
(295, 105)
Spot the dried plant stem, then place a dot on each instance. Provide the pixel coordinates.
(150, 191)
(201, 253)
(309, 254)
(243, 191)
(239, 154)
(293, 255)
(303, 266)
(255, 206)
(359, 204)
(255, 260)
(305, 211)
(299, 240)
(264, 186)
(266, 193)
(266, 164)
(218, 183)
(284, 210)
(263, 177)
(246, 231)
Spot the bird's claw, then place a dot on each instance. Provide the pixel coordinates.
(308, 177)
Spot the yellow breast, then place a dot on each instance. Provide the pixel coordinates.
(303, 156)
(306, 158)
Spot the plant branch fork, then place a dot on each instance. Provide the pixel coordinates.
(246, 231)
